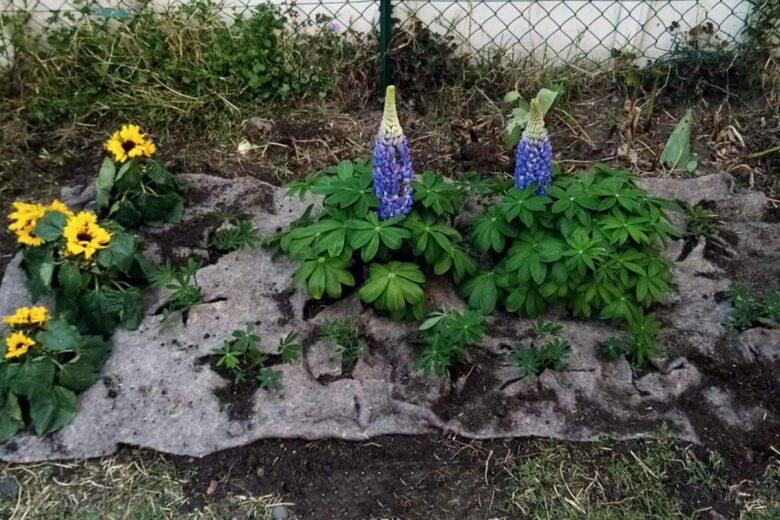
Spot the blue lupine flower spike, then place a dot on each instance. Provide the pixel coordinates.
(392, 164)
(533, 160)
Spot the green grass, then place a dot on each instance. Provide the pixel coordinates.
(133, 485)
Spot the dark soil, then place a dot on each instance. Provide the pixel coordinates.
(387, 477)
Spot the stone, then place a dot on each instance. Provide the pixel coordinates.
(158, 391)
(280, 513)
(9, 487)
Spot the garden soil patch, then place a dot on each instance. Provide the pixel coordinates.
(715, 387)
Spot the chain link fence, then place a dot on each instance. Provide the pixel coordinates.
(547, 31)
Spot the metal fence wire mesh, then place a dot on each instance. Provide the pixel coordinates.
(548, 31)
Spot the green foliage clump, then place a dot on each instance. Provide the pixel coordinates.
(242, 357)
(639, 344)
(751, 310)
(96, 294)
(591, 243)
(518, 118)
(45, 380)
(238, 234)
(346, 334)
(701, 222)
(182, 284)
(188, 60)
(445, 336)
(140, 192)
(547, 351)
(347, 232)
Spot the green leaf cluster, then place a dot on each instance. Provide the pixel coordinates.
(445, 337)
(335, 246)
(592, 242)
(547, 351)
(346, 334)
(518, 117)
(237, 234)
(639, 345)
(96, 296)
(751, 310)
(141, 192)
(244, 358)
(181, 282)
(45, 381)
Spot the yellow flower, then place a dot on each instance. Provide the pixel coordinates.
(39, 315)
(20, 317)
(56, 205)
(28, 316)
(129, 142)
(24, 220)
(17, 344)
(84, 235)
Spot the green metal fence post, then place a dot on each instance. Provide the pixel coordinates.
(385, 29)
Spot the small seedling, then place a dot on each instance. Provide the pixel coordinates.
(532, 360)
(345, 333)
(751, 310)
(185, 291)
(639, 345)
(242, 357)
(701, 221)
(446, 336)
(240, 234)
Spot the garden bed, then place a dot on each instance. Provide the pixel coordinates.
(716, 386)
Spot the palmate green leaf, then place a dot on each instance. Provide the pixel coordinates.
(459, 262)
(485, 289)
(328, 235)
(105, 183)
(52, 409)
(366, 235)
(270, 379)
(531, 253)
(325, 275)
(301, 188)
(619, 228)
(50, 227)
(525, 298)
(617, 192)
(290, 348)
(575, 200)
(395, 287)
(429, 238)
(583, 252)
(434, 193)
(10, 416)
(354, 193)
(491, 230)
(523, 205)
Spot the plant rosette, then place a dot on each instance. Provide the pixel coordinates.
(133, 187)
(45, 362)
(91, 268)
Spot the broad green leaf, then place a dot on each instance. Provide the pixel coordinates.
(60, 336)
(10, 416)
(677, 152)
(31, 376)
(105, 183)
(50, 227)
(51, 410)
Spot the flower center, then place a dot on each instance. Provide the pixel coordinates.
(84, 236)
(127, 146)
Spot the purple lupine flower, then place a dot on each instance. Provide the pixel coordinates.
(335, 27)
(392, 164)
(533, 160)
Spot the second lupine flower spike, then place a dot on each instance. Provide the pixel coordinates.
(533, 161)
(392, 164)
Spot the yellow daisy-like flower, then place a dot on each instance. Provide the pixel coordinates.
(84, 236)
(20, 317)
(129, 142)
(28, 316)
(17, 344)
(56, 205)
(39, 315)
(24, 220)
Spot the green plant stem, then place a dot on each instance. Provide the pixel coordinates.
(764, 153)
